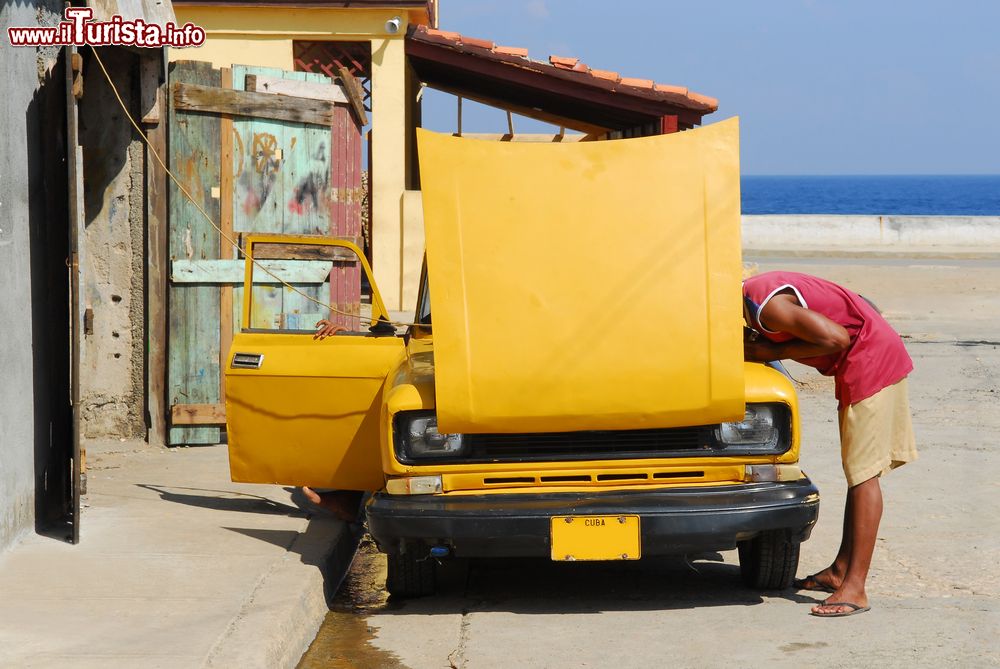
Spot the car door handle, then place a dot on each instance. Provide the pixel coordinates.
(247, 360)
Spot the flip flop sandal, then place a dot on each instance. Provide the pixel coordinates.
(855, 609)
(811, 583)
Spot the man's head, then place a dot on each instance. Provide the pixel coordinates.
(749, 312)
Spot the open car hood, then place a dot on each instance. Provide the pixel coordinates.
(585, 286)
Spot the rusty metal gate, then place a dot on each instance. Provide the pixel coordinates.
(259, 150)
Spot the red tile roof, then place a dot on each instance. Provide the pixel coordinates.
(511, 51)
(646, 88)
(638, 83)
(481, 43)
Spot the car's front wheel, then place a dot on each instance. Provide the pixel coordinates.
(769, 560)
(410, 574)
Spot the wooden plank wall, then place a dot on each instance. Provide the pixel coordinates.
(286, 178)
(226, 249)
(193, 323)
(251, 174)
(259, 189)
(346, 198)
(154, 119)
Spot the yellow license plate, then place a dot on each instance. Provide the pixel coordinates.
(595, 538)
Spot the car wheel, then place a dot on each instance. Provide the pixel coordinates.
(769, 560)
(410, 574)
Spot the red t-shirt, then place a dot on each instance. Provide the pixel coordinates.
(876, 358)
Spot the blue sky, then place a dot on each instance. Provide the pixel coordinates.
(821, 86)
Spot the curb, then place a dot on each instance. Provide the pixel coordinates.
(282, 614)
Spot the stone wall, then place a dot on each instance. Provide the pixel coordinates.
(112, 376)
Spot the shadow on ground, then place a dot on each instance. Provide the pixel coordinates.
(224, 500)
(327, 544)
(540, 586)
(521, 586)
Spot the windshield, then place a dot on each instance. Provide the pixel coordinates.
(424, 305)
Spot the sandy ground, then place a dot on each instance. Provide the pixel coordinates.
(935, 580)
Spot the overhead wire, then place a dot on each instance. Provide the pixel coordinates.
(222, 233)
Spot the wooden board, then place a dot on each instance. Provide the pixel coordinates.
(77, 258)
(198, 414)
(156, 248)
(194, 355)
(355, 95)
(261, 155)
(266, 251)
(226, 250)
(347, 197)
(279, 252)
(192, 97)
(302, 89)
(231, 272)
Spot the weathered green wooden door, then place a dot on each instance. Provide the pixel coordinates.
(250, 173)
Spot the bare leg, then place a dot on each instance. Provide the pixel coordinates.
(862, 515)
(341, 503)
(833, 575)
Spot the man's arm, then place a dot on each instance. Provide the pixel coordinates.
(814, 333)
(326, 329)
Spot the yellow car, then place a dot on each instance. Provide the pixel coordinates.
(580, 391)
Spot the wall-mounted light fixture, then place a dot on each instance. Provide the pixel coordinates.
(393, 25)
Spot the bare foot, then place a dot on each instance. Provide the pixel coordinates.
(341, 503)
(827, 579)
(843, 594)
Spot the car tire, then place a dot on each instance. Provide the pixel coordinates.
(410, 575)
(769, 560)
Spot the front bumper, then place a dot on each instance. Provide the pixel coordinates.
(673, 521)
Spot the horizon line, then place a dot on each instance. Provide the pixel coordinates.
(869, 174)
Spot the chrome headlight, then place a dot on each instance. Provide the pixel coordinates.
(764, 429)
(417, 438)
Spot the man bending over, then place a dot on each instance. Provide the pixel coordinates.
(841, 334)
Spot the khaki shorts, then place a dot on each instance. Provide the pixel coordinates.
(876, 434)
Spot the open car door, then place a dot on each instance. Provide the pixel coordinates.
(300, 410)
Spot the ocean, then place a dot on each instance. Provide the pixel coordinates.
(900, 195)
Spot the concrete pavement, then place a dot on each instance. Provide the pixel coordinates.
(934, 584)
(177, 567)
(180, 568)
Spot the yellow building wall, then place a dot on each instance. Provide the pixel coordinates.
(263, 37)
(387, 186)
(412, 243)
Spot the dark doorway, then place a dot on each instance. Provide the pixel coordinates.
(48, 215)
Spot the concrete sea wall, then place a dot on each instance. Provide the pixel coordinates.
(875, 234)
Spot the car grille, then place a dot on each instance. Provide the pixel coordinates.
(659, 443)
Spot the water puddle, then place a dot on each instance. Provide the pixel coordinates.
(344, 639)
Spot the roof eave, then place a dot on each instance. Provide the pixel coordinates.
(443, 63)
